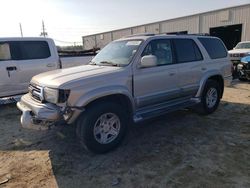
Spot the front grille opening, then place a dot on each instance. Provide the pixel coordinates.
(35, 92)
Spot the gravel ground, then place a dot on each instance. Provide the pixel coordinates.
(181, 149)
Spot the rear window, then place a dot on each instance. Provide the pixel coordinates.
(214, 47)
(187, 50)
(24, 50)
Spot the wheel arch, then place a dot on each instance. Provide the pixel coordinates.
(216, 77)
(119, 98)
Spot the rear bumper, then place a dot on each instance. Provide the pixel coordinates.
(228, 80)
(37, 115)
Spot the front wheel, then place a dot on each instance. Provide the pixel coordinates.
(210, 98)
(102, 127)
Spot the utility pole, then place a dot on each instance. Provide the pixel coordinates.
(21, 30)
(43, 33)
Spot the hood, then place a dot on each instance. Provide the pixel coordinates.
(60, 77)
(239, 51)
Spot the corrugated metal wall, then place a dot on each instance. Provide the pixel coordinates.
(121, 33)
(103, 39)
(200, 23)
(190, 24)
(139, 29)
(153, 28)
(89, 42)
(237, 15)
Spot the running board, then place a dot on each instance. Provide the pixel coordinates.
(157, 110)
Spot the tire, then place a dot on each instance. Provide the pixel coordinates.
(210, 98)
(102, 127)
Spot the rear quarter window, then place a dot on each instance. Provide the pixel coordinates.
(214, 47)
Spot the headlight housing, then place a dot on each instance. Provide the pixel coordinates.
(56, 95)
(51, 95)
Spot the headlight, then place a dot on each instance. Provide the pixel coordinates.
(51, 95)
(56, 95)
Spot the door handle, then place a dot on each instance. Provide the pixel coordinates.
(50, 65)
(11, 68)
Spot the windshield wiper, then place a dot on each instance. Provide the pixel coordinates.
(109, 63)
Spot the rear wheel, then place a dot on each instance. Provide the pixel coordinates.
(102, 127)
(210, 98)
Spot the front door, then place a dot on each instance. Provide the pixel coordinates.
(159, 83)
(8, 84)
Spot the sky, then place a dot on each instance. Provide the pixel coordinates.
(66, 21)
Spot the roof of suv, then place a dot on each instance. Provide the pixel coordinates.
(147, 36)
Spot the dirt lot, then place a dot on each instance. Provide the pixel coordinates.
(181, 149)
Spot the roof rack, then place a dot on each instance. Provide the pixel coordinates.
(198, 34)
(140, 34)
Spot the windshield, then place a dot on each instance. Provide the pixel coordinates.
(117, 53)
(245, 45)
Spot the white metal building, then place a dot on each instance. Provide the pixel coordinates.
(230, 24)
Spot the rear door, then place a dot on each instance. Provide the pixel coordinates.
(191, 65)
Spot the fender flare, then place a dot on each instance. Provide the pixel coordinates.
(99, 93)
(204, 80)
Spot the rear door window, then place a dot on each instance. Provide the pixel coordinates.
(25, 50)
(214, 47)
(186, 50)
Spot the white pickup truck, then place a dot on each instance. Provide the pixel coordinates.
(23, 58)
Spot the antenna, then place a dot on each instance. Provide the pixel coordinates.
(43, 33)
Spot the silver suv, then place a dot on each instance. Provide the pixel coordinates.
(130, 80)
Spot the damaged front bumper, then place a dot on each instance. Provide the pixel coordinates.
(39, 116)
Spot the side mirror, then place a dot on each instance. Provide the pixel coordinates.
(148, 61)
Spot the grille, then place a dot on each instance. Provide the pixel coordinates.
(242, 54)
(235, 55)
(238, 55)
(36, 92)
